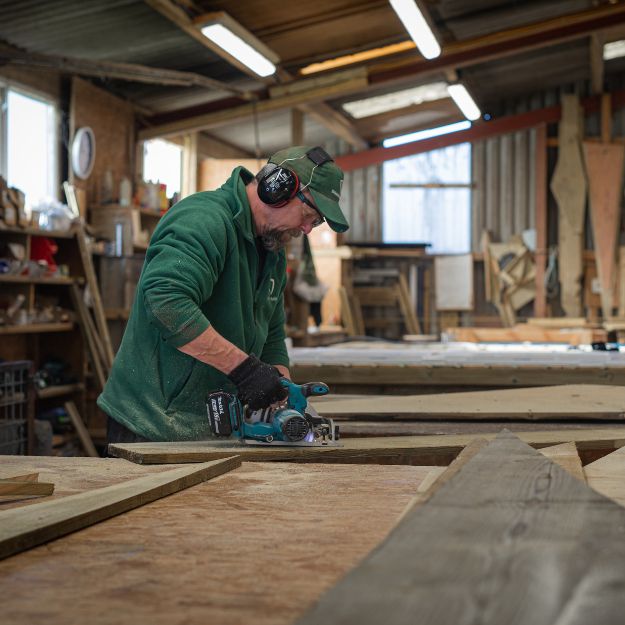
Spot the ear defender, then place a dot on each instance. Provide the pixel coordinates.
(277, 185)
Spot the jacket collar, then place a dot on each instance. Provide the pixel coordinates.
(237, 182)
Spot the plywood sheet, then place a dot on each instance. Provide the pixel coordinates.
(607, 475)
(23, 528)
(416, 450)
(257, 545)
(568, 402)
(511, 538)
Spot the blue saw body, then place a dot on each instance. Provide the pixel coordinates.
(291, 424)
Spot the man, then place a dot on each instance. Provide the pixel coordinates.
(208, 313)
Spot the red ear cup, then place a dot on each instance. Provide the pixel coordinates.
(277, 186)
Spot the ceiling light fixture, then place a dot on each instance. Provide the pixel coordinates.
(241, 47)
(464, 101)
(396, 100)
(426, 134)
(417, 27)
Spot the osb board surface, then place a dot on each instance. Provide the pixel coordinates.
(511, 538)
(607, 475)
(584, 401)
(390, 449)
(257, 545)
(71, 475)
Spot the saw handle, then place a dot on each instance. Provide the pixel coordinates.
(299, 392)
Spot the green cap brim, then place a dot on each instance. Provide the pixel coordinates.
(330, 210)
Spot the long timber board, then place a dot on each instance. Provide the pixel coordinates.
(568, 402)
(416, 450)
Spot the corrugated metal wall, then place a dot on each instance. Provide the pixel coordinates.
(502, 199)
(360, 199)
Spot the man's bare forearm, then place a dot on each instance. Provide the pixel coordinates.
(213, 349)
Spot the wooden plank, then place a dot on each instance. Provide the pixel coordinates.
(491, 547)
(81, 430)
(607, 475)
(94, 289)
(568, 186)
(25, 477)
(573, 401)
(416, 450)
(175, 553)
(604, 166)
(558, 322)
(522, 333)
(26, 489)
(566, 456)
(540, 218)
(23, 528)
(375, 377)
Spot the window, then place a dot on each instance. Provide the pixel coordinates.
(162, 162)
(29, 146)
(427, 199)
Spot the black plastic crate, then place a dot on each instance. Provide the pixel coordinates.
(15, 398)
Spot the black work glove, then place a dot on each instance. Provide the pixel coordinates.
(258, 384)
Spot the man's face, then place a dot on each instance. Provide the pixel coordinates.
(290, 221)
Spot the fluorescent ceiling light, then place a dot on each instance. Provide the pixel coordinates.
(614, 50)
(464, 101)
(396, 100)
(414, 22)
(426, 134)
(238, 43)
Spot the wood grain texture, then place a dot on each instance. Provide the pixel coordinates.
(231, 551)
(512, 538)
(566, 456)
(607, 476)
(568, 186)
(416, 450)
(573, 401)
(25, 489)
(604, 166)
(22, 528)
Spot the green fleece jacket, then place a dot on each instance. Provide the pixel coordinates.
(202, 268)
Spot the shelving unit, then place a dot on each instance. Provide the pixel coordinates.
(47, 341)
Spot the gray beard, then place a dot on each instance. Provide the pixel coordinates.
(275, 240)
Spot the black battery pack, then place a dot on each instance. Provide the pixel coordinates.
(221, 419)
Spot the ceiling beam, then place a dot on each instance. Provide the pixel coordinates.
(503, 44)
(109, 69)
(226, 116)
(322, 113)
(596, 63)
(479, 132)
